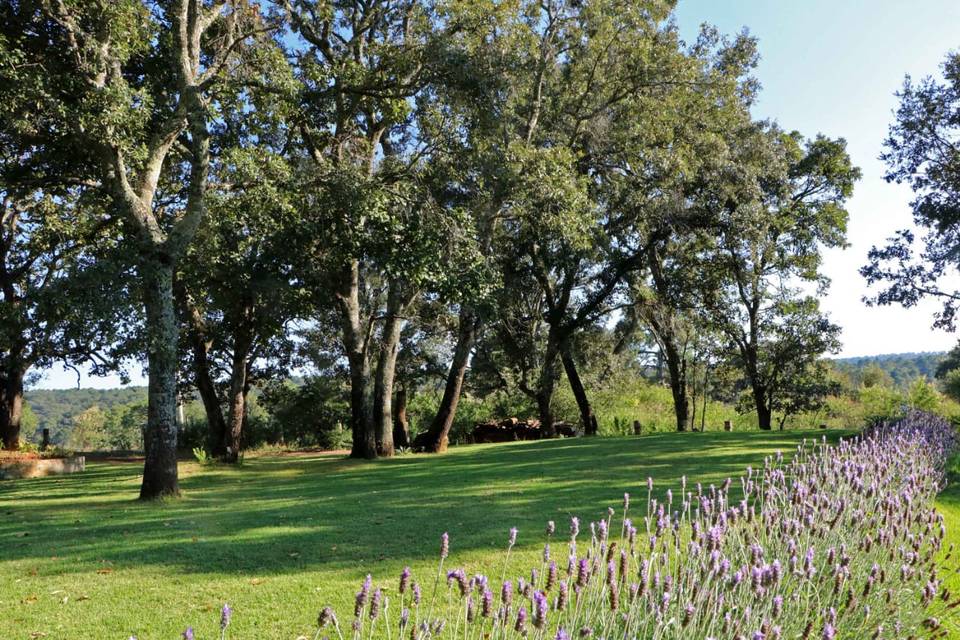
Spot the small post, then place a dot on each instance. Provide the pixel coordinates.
(727, 425)
(45, 443)
(636, 427)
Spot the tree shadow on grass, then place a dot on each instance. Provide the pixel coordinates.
(278, 515)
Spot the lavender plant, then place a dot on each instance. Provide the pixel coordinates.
(841, 541)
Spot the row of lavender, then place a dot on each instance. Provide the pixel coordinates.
(841, 541)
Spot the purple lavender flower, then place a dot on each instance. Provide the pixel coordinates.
(404, 580)
(225, 613)
(513, 537)
(375, 602)
(563, 595)
(574, 528)
(444, 545)
(521, 625)
(486, 603)
(187, 633)
(325, 617)
(583, 573)
(506, 593)
(540, 610)
(551, 527)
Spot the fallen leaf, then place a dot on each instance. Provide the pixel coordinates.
(294, 554)
(21, 534)
(29, 599)
(256, 581)
(104, 572)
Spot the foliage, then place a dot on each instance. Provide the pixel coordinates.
(312, 413)
(201, 456)
(921, 151)
(900, 368)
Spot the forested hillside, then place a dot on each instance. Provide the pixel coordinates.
(57, 409)
(901, 367)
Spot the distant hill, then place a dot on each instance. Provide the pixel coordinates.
(902, 367)
(55, 408)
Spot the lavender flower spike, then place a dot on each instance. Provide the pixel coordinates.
(513, 536)
(187, 633)
(225, 614)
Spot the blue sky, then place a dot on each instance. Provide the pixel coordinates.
(827, 67)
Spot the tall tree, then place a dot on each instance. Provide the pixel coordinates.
(386, 236)
(59, 276)
(786, 206)
(126, 86)
(923, 151)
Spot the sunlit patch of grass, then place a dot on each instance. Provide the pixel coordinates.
(280, 536)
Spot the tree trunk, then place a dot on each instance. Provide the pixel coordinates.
(587, 419)
(202, 380)
(546, 386)
(386, 372)
(764, 414)
(401, 429)
(438, 436)
(677, 368)
(237, 402)
(354, 343)
(11, 408)
(160, 444)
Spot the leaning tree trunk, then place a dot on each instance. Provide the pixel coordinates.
(401, 427)
(546, 386)
(11, 408)
(386, 372)
(587, 419)
(202, 380)
(438, 435)
(237, 402)
(160, 442)
(677, 368)
(354, 343)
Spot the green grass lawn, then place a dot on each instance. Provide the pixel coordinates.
(280, 537)
(949, 505)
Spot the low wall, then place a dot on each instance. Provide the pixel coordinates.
(14, 469)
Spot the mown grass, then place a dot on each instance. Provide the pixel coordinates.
(280, 537)
(948, 503)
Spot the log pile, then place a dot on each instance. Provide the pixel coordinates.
(513, 429)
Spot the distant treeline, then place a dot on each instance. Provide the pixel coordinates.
(58, 409)
(903, 368)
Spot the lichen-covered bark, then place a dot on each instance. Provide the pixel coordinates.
(160, 439)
